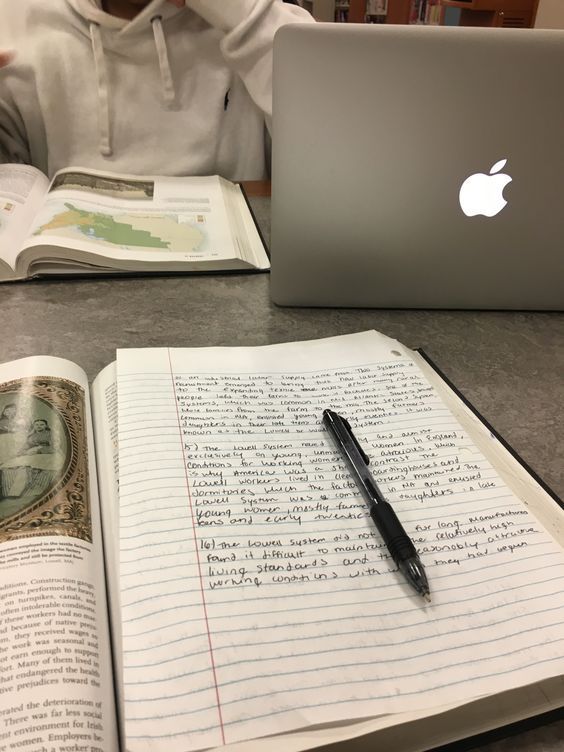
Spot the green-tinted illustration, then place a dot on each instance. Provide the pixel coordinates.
(126, 230)
(43, 460)
(102, 227)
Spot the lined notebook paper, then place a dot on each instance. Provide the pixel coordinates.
(257, 596)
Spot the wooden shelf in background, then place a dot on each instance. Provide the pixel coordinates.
(398, 11)
(501, 13)
(477, 5)
(256, 188)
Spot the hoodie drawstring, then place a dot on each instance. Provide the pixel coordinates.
(102, 79)
(103, 94)
(164, 62)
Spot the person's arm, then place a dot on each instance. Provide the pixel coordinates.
(13, 146)
(249, 27)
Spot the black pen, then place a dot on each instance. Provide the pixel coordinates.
(398, 542)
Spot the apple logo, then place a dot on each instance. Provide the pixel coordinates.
(483, 194)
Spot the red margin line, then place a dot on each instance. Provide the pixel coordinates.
(222, 728)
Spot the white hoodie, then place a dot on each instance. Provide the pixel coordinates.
(173, 92)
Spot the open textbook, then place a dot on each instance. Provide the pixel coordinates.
(240, 589)
(87, 222)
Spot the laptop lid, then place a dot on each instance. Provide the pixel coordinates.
(418, 167)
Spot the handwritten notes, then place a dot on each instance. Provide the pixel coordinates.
(257, 596)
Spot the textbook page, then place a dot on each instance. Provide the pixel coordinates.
(104, 411)
(22, 189)
(130, 221)
(56, 679)
(257, 596)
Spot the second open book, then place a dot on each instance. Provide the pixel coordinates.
(88, 222)
(249, 593)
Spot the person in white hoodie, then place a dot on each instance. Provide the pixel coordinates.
(164, 87)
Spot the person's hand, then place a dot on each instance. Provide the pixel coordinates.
(178, 3)
(223, 15)
(6, 57)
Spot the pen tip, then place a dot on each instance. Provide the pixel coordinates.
(427, 597)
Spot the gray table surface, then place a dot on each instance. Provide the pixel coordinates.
(509, 365)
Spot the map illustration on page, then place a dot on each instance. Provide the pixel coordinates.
(85, 222)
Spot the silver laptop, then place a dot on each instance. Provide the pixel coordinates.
(418, 167)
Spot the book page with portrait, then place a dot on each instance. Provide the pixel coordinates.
(56, 682)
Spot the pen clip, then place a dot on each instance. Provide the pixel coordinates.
(361, 451)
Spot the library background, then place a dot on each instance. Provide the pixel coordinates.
(501, 13)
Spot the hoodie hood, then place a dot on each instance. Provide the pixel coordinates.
(92, 91)
(91, 11)
(149, 18)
